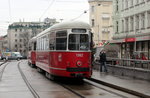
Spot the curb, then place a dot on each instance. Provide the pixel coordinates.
(120, 88)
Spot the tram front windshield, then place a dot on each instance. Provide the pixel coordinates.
(78, 42)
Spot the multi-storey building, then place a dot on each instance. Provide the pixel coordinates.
(101, 20)
(19, 34)
(3, 44)
(132, 27)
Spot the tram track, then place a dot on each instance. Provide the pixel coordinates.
(83, 93)
(103, 88)
(32, 90)
(135, 93)
(71, 90)
(3, 68)
(75, 89)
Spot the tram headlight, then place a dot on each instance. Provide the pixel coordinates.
(79, 63)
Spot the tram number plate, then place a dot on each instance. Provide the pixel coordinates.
(79, 55)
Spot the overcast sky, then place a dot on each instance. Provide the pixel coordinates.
(35, 10)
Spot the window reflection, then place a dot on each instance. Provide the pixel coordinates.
(78, 42)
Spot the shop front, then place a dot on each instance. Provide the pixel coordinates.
(134, 48)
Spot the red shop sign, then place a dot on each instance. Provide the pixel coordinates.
(130, 39)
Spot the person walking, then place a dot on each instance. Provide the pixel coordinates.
(103, 61)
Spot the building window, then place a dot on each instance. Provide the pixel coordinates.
(15, 35)
(126, 4)
(137, 2)
(93, 23)
(117, 8)
(105, 16)
(20, 46)
(117, 26)
(92, 9)
(127, 25)
(122, 4)
(15, 46)
(122, 25)
(137, 23)
(20, 40)
(148, 18)
(15, 40)
(131, 24)
(142, 1)
(143, 21)
(15, 30)
(131, 3)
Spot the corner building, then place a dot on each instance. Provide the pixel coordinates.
(101, 20)
(19, 33)
(131, 19)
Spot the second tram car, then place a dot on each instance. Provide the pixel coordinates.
(64, 50)
(32, 52)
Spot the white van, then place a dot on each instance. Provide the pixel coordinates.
(11, 55)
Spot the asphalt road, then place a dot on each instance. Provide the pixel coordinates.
(12, 85)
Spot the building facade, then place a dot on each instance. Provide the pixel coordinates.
(131, 19)
(19, 33)
(101, 20)
(3, 44)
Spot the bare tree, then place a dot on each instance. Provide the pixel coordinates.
(25, 37)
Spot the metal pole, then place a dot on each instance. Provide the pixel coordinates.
(98, 34)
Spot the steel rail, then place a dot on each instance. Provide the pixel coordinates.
(110, 91)
(32, 90)
(2, 71)
(132, 92)
(3, 63)
(71, 90)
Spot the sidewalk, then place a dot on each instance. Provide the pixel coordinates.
(140, 86)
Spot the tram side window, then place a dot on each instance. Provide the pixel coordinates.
(61, 40)
(38, 44)
(73, 42)
(52, 41)
(34, 48)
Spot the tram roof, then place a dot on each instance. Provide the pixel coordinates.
(70, 24)
(33, 39)
(66, 25)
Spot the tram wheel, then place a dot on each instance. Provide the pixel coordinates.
(39, 70)
(32, 65)
(49, 76)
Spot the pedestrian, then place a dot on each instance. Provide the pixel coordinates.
(103, 61)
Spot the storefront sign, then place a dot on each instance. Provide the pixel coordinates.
(130, 39)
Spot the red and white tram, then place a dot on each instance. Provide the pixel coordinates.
(31, 53)
(64, 50)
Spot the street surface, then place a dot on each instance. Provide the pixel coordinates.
(13, 86)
